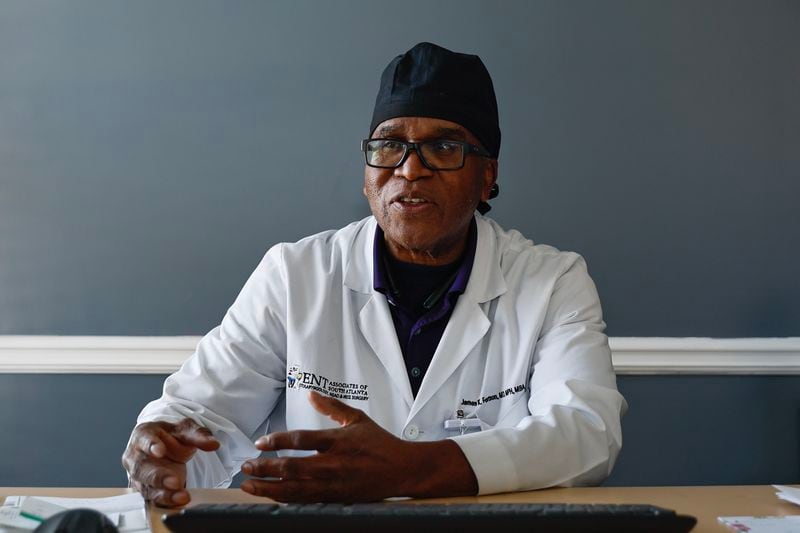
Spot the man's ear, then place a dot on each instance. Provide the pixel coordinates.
(489, 178)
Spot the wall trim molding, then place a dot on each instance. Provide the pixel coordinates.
(93, 355)
(700, 355)
(162, 355)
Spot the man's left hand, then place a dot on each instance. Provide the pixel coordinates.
(357, 462)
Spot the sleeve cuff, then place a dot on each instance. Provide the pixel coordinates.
(490, 461)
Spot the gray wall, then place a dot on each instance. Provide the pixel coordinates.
(150, 152)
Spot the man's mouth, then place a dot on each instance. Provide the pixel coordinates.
(411, 203)
(412, 200)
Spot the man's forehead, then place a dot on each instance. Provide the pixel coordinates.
(422, 126)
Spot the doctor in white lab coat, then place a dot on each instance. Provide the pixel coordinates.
(504, 382)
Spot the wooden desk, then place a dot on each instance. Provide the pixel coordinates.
(705, 503)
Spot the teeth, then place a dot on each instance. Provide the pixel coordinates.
(412, 200)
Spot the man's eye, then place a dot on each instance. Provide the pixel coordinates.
(391, 146)
(444, 147)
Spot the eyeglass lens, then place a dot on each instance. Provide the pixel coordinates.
(438, 155)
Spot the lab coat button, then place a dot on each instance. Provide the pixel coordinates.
(411, 432)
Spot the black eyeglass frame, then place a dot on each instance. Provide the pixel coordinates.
(409, 146)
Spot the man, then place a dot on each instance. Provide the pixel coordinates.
(423, 351)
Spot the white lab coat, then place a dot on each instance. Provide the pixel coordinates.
(524, 347)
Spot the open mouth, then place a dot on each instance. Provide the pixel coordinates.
(411, 204)
(411, 197)
(411, 200)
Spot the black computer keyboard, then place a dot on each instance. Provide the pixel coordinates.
(415, 518)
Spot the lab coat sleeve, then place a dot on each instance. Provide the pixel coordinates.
(573, 433)
(235, 378)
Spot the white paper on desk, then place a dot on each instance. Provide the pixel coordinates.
(10, 520)
(762, 524)
(112, 504)
(789, 494)
(125, 511)
(40, 508)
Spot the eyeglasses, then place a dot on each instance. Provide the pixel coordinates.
(435, 155)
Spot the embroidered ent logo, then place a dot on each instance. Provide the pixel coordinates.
(294, 377)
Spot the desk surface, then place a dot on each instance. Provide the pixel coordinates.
(705, 503)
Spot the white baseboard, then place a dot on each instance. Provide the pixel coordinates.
(163, 355)
(697, 355)
(93, 355)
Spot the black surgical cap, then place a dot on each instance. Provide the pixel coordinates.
(431, 81)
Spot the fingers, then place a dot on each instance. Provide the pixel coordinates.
(163, 497)
(190, 433)
(177, 442)
(293, 468)
(333, 408)
(319, 440)
(156, 458)
(155, 472)
(160, 480)
(301, 491)
(161, 444)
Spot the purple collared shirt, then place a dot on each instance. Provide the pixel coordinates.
(419, 330)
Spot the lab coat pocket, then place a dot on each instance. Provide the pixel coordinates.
(505, 412)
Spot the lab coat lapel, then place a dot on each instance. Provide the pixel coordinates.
(374, 318)
(467, 326)
(377, 327)
(468, 323)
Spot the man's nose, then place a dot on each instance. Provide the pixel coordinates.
(412, 168)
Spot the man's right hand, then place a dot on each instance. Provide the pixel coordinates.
(156, 458)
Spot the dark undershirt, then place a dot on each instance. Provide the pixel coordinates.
(415, 283)
(407, 286)
(419, 330)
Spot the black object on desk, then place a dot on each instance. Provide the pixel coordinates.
(402, 517)
(77, 521)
